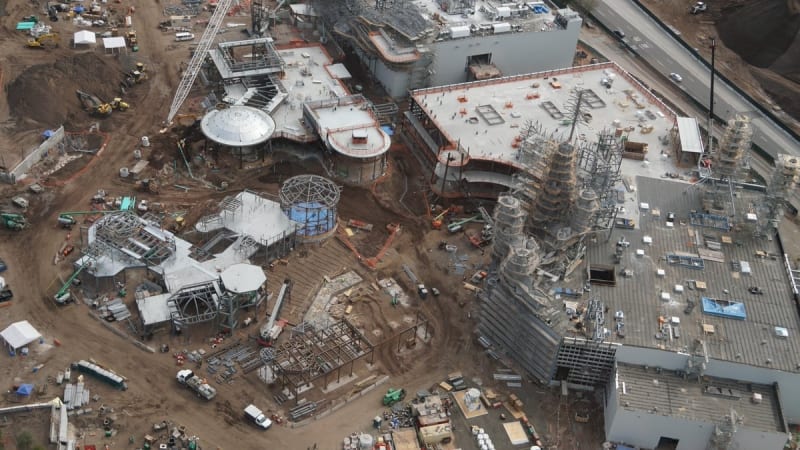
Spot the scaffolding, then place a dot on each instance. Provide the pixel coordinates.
(782, 183)
(727, 163)
(557, 194)
(509, 226)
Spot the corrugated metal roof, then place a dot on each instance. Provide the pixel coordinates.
(689, 133)
(665, 393)
(751, 341)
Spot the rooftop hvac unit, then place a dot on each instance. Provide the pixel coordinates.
(756, 398)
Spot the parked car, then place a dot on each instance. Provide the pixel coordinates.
(676, 77)
(619, 33)
(6, 295)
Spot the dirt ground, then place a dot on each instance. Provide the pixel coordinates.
(39, 86)
(757, 46)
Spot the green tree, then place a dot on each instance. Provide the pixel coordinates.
(24, 441)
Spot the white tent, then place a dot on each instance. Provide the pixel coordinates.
(19, 334)
(115, 43)
(84, 37)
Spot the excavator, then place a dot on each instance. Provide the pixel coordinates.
(97, 107)
(39, 42)
(94, 105)
(13, 221)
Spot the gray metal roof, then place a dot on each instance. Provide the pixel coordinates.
(689, 133)
(243, 278)
(751, 341)
(667, 394)
(238, 126)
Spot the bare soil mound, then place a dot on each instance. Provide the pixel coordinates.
(45, 93)
(766, 34)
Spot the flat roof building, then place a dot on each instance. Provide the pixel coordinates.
(649, 408)
(475, 136)
(412, 45)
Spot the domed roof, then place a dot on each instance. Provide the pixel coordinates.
(238, 126)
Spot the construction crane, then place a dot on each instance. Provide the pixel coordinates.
(63, 296)
(269, 332)
(199, 56)
(436, 223)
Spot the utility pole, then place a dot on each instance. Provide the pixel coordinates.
(711, 98)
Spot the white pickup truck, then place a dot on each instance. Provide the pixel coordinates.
(258, 417)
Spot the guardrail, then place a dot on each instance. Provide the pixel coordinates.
(733, 86)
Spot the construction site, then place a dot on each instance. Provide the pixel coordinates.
(352, 229)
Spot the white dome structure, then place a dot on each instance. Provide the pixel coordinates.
(238, 126)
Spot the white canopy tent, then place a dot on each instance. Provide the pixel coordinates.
(84, 37)
(19, 334)
(114, 44)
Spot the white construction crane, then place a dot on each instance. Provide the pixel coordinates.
(190, 74)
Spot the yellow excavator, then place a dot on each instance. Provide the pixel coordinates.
(119, 105)
(97, 107)
(39, 42)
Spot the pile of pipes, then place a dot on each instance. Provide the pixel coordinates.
(75, 395)
(302, 410)
(116, 309)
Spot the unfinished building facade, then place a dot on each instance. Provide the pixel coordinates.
(411, 45)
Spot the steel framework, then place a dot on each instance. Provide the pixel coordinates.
(311, 200)
(193, 304)
(318, 350)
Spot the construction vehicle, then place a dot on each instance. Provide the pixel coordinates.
(13, 221)
(457, 226)
(437, 221)
(393, 396)
(270, 331)
(39, 42)
(623, 223)
(67, 219)
(64, 296)
(698, 8)
(94, 105)
(359, 225)
(118, 104)
(133, 42)
(203, 390)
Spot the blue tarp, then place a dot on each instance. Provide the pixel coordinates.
(79, 9)
(388, 130)
(48, 134)
(25, 389)
(730, 309)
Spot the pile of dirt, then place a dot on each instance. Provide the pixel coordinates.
(766, 34)
(44, 94)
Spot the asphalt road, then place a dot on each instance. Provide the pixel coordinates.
(645, 37)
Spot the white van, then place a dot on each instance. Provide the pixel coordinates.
(184, 37)
(258, 417)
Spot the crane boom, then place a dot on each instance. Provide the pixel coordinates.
(199, 56)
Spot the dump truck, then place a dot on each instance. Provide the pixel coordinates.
(14, 222)
(393, 396)
(203, 390)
